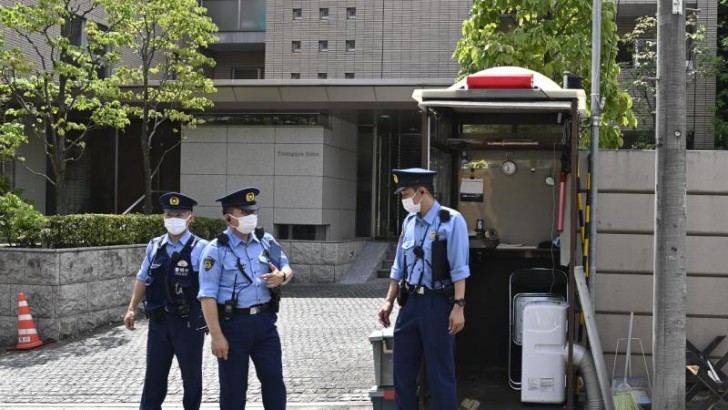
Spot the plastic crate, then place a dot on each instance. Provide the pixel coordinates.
(382, 345)
(382, 398)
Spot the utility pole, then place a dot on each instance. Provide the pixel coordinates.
(670, 278)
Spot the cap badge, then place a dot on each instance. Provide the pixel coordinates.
(174, 201)
(396, 180)
(250, 197)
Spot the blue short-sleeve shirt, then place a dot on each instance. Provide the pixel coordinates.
(420, 231)
(220, 272)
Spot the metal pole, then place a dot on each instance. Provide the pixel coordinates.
(669, 297)
(596, 113)
(425, 141)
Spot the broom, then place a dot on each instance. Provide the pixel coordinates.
(622, 396)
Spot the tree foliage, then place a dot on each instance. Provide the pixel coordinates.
(550, 37)
(642, 70)
(163, 79)
(721, 105)
(55, 88)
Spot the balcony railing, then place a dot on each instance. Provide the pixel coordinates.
(237, 15)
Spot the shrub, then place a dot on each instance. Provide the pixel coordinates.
(20, 223)
(208, 228)
(74, 231)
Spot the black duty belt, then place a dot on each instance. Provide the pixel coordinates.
(253, 310)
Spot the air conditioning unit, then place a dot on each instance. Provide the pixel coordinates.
(543, 371)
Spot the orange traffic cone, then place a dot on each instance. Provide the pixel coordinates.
(27, 334)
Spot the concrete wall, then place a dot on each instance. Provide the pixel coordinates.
(321, 262)
(625, 224)
(306, 174)
(70, 291)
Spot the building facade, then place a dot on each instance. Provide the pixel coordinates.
(314, 106)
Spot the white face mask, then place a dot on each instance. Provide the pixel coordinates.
(410, 205)
(176, 226)
(246, 224)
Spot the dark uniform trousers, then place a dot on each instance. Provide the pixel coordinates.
(421, 329)
(167, 337)
(256, 337)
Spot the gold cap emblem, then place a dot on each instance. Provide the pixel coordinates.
(250, 197)
(174, 201)
(396, 180)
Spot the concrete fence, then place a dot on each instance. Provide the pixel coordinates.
(71, 291)
(625, 249)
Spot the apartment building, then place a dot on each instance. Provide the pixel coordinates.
(314, 107)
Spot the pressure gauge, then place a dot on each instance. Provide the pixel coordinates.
(509, 167)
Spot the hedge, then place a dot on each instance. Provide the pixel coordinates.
(75, 231)
(85, 230)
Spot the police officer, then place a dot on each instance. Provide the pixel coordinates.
(428, 280)
(168, 281)
(240, 278)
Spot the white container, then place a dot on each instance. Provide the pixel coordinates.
(382, 346)
(543, 370)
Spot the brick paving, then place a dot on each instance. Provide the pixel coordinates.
(326, 354)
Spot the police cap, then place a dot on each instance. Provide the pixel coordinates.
(244, 199)
(412, 177)
(174, 201)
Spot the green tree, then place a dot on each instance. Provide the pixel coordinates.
(163, 79)
(56, 88)
(12, 134)
(721, 105)
(550, 37)
(642, 71)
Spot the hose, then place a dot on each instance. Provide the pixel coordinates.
(583, 361)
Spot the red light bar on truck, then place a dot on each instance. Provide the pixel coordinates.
(516, 81)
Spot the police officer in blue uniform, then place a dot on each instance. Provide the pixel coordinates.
(428, 281)
(240, 278)
(168, 281)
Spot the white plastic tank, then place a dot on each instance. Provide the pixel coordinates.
(543, 371)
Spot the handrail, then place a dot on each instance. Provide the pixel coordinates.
(133, 205)
(137, 202)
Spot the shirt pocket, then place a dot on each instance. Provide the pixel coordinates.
(230, 269)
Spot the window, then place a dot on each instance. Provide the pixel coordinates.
(351, 13)
(323, 13)
(625, 53)
(297, 14)
(7, 171)
(323, 45)
(295, 76)
(75, 32)
(350, 45)
(322, 76)
(301, 232)
(349, 76)
(246, 73)
(295, 46)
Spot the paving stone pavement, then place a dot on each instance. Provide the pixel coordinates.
(327, 358)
